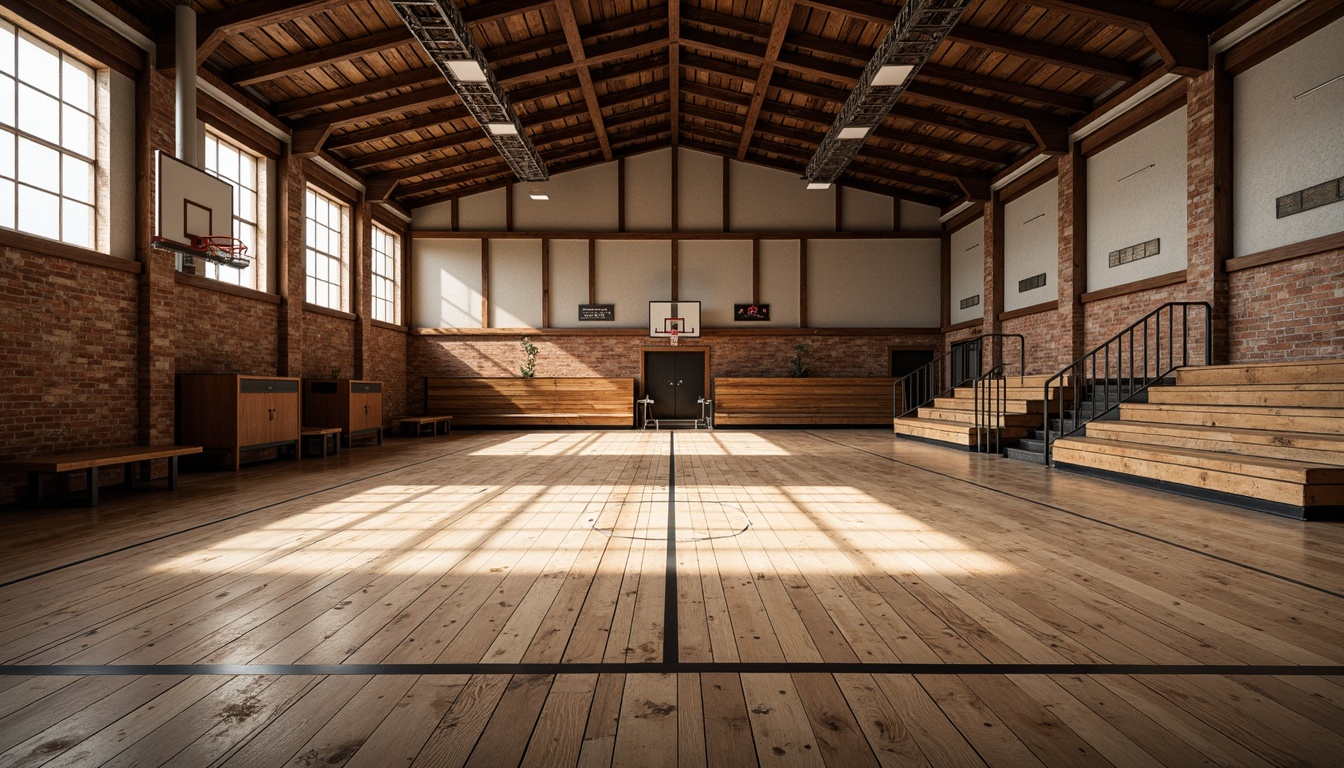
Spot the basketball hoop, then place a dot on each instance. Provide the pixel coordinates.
(673, 334)
(221, 249)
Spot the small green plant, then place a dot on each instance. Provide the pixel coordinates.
(529, 366)
(798, 367)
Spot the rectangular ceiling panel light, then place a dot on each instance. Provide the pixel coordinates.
(819, 185)
(502, 129)
(467, 71)
(892, 75)
(853, 132)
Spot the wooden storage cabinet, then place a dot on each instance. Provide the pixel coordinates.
(354, 405)
(234, 412)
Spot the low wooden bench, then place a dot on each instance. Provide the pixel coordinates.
(327, 438)
(820, 401)
(92, 461)
(524, 403)
(416, 426)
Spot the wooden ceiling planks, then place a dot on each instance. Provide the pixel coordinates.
(758, 80)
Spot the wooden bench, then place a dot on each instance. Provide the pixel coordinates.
(327, 438)
(806, 401)
(524, 403)
(415, 426)
(91, 461)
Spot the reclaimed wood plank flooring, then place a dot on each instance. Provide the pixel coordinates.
(838, 597)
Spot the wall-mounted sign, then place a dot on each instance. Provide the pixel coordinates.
(751, 311)
(597, 312)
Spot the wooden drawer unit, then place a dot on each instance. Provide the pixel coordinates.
(354, 405)
(234, 413)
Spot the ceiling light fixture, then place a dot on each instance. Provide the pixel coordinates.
(818, 185)
(920, 27)
(440, 29)
(537, 192)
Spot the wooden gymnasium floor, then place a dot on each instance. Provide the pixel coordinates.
(639, 599)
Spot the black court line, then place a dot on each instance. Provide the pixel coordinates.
(671, 643)
(741, 668)
(244, 513)
(1107, 523)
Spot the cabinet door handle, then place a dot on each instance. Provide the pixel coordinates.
(271, 412)
(366, 410)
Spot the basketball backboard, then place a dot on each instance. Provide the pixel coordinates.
(190, 203)
(681, 317)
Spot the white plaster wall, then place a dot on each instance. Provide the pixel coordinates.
(483, 211)
(515, 283)
(447, 288)
(872, 283)
(862, 211)
(968, 271)
(1031, 245)
(1282, 143)
(648, 191)
(770, 200)
(917, 217)
(718, 275)
(700, 193)
(438, 216)
(780, 279)
(569, 284)
(1128, 205)
(630, 274)
(585, 199)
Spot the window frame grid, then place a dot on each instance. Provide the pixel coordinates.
(64, 61)
(391, 283)
(222, 273)
(335, 223)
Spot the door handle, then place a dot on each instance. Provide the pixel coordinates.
(671, 384)
(366, 410)
(271, 414)
(679, 382)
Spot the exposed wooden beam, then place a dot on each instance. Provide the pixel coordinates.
(943, 145)
(329, 54)
(397, 127)
(729, 119)
(1049, 98)
(637, 115)
(858, 9)
(1034, 119)
(1181, 41)
(674, 65)
(499, 9)
(421, 147)
(831, 70)
(412, 79)
(734, 98)
(718, 66)
(783, 15)
(213, 28)
(435, 95)
(723, 44)
(565, 10)
(598, 54)
(639, 93)
(881, 172)
(963, 124)
(989, 40)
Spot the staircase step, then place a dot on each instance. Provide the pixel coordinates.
(1025, 454)
(1313, 420)
(953, 433)
(1032, 444)
(1009, 406)
(1258, 395)
(968, 417)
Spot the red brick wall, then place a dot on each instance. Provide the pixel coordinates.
(622, 355)
(222, 333)
(1048, 348)
(328, 346)
(387, 363)
(68, 348)
(1290, 310)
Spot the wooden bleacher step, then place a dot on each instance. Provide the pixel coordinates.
(951, 420)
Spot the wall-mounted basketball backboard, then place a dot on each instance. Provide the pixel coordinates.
(674, 318)
(190, 203)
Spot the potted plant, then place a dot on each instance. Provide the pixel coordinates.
(798, 367)
(529, 366)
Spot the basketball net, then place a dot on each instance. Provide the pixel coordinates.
(674, 338)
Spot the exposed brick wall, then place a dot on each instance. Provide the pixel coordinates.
(222, 333)
(68, 348)
(328, 347)
(1290, 310)
(1047, 347)
(387, 363)
(622, 355)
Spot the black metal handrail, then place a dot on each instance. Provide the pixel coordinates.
(951, 370)
(1125, 371)
(991, 403)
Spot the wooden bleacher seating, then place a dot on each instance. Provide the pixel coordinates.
(1266, 436)
(526, 403)
(951, 420)
(802, 401)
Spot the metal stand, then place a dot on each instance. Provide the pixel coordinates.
(644, 412)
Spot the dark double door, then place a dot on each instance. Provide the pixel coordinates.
(676, 382)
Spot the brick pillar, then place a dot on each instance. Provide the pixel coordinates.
(1072, 266)
(361, 298)
(291, 267)
(157, 316)
(992, 300)
(1209, 196)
